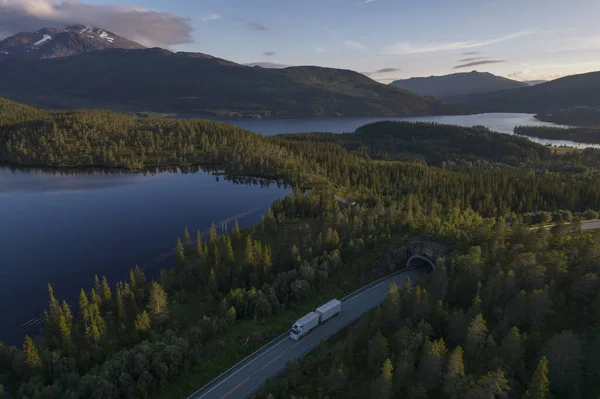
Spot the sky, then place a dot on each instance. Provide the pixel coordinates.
(386, 39)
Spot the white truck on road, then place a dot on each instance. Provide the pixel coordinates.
(308, 322)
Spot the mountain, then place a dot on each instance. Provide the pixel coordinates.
(54, 43)
(266, 65)
(194, 83)
(564, 93)
(447, 87)
(534, 82)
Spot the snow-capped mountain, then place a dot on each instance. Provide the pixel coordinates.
(53, 43)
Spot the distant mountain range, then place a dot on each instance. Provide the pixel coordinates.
(448, 87)
(80, 67)
(560, 94)
(53, 43)
(266, 65)
(534, 82)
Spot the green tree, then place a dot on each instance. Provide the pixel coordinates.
(54, 309)
(199, 249)
(333, 239)
(158, 305)
(493, 385)
(229, 255)
(539, 387)
(383, 385)
(65, 331)
(564, 355)
(431, 364)
(187, 239)
(231, 314)
(454, 377)
(31, 355)
(236, 230)
(142, 322)
(377, 350)
(66, 312)
(249, 251)
(391, 308)
(106, 294)
(212, 234)
(512, 351)
(180, 251)
(83, 304)
(475, 342)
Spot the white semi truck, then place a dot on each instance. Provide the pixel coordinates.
(308, 322)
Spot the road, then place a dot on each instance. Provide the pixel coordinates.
(250, 374)
(590, 225)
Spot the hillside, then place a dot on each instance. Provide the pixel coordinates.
(568, 92)
(54, 43)
(159, 80)
(457, 84)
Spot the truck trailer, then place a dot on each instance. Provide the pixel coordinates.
(329, 310)
(311, 320)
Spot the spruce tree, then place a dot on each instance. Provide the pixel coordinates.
(106, 294)
(236, 230)
(454, 377)
(199, 249)
(180, 252)
(187, 239)
(31, 355)
(158, 305)
(249, 251)
(83, 304)
(142, 322)
(229, 255)
(539, 387)
(212, 234)
(66, 311)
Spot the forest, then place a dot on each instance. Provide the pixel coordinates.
(516, 317)
(477, 192)
(581, 116)
(577, 134)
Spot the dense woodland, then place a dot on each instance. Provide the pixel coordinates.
(581, 116)
(578, 134)
(471, 189)
(516, 317)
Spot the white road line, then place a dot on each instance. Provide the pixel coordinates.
(246, 365)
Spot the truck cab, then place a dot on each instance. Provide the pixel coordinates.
(296, 332)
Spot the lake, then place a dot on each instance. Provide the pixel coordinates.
(64, 228)
(498, 122)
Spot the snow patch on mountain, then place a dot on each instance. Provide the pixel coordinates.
(42, 41)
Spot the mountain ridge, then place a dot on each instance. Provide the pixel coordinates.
(446, 87)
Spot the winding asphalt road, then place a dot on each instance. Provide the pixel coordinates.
(250, 374)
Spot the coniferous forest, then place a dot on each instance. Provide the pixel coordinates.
(512, 312)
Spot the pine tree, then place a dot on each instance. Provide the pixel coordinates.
(106, 294)
(158, 304)
(474, 344)
(383, 385)
(83, 304)
(96, 299)
(212, 234)
(236, 230)
(267, 260)
(539, 387)
(229, 255)
(142, 322)
(66, 311)
(53, 304)
(180, 252)
(65, 331)
(32, 357)
(455, 373)
(187, 239)
(249, 251)
(120, 304)
(199, 249)
(391, 308)
(231, 314)
(132, 280)
(216, 255)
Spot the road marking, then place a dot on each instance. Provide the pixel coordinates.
(236, 387)
(300, 340)
(270, 363)
(246, 365)
(364, 292)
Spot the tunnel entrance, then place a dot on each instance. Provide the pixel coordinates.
(420, 261)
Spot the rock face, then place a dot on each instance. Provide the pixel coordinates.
(55, 43)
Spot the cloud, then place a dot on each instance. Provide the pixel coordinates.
(320, 49)
(528, 74)
(256, 26)
(579, 44)
(210, 17)
(431, 47)
(387, 70)
(471, 59)
(145, 26)
(474, 52)
(355, 45)
(470, 64)
(368, 1)
(269, 53)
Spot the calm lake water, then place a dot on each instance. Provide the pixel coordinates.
(498, 122)
(64, 228)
